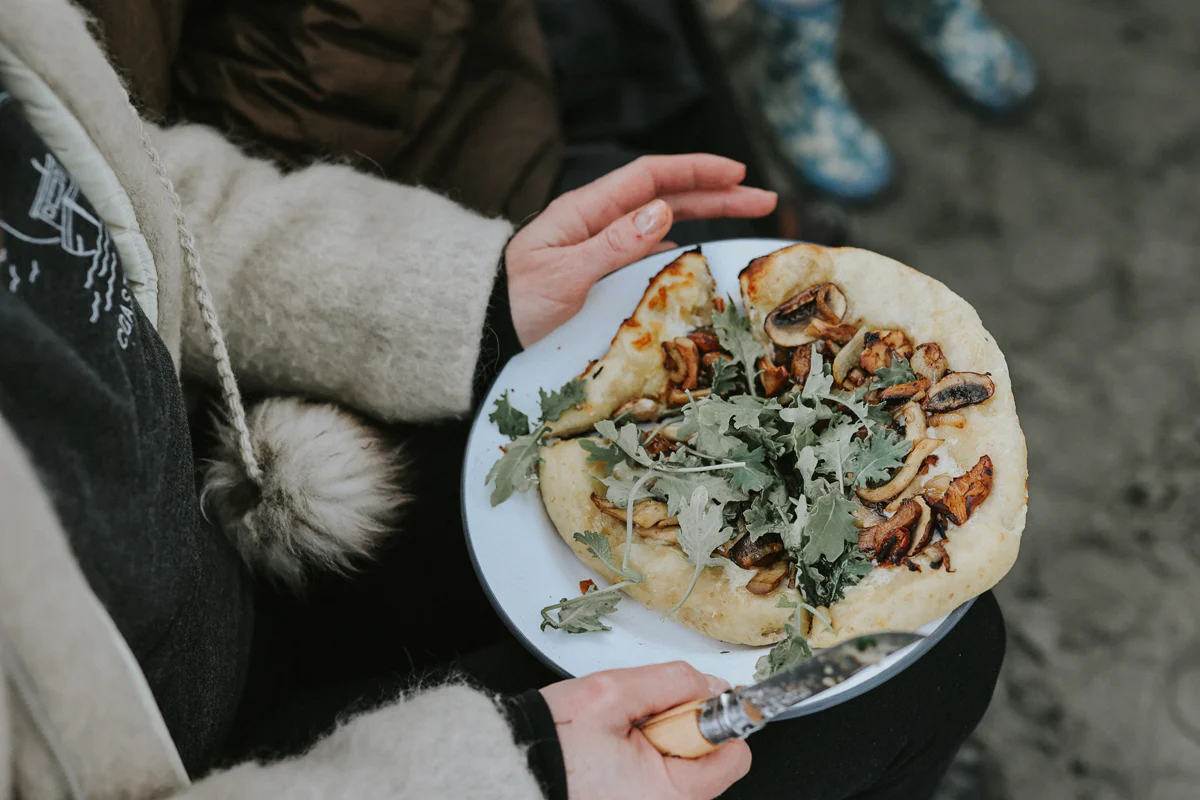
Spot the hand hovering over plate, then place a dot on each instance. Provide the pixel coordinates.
(605, 757)
(616, 220)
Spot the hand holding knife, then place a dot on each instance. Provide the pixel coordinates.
(697, 728)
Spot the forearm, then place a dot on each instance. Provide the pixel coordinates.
(335, 284)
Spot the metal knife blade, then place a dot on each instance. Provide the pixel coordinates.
(739, 712)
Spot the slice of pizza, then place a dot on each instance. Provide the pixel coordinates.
(634, 377)
(946, 525)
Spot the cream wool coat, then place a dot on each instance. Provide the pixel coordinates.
(327, 283)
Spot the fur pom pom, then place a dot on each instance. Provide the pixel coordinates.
(330, 490)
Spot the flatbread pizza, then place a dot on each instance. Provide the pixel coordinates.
(845, 458)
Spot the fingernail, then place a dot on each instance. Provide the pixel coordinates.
(651, 217)
(717, 685)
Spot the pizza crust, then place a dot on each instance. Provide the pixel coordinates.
(678, 300)
(719, 607)
(888, 294)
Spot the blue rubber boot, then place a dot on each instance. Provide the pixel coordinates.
(805, 102)
(983, 61)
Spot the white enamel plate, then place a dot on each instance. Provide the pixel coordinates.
(524, 565)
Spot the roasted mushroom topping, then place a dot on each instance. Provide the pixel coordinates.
(920, 451)
(847, 357)
(646, 513)
(938, 557)
(774, 379)
(878, 347)
(801, 364)
(641, 409)
(922, 531)
(913, 418)
(865, 517)
(659, 444)
(682, 360)
(678, 397)
(966, 492)
(928, 362)
(787, 324)
(889, 540)
(857, 377)
(768, 578)
(839, 334)
(706, 340)
(956, 390)
(951, 420)
(750, 554)
(913, 390)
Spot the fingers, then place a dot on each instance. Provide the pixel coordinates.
(648, 690)
(586, 211)
(735, 201)
(712, 774)
(629, 238)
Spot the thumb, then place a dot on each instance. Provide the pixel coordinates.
(625, 240)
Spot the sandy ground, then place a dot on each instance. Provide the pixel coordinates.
(1075, 231)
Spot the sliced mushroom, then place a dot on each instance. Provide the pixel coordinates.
(890, 538)
(750, 554)
(965, 492)
(928, 362)
(958, 389)
(774, 379)
(920, 451)
(641, 409)
(935, 487)
(913, 390)
(801, 364)
(839, 333)
(922, 531)
(706, 340)
(678, 397)
(857, 377)
(682, 360)
(671, 432)
(938, 557)
(847, 357)
(668, 535)
(865, 517)
(719, 304)
(787, 324)
(878, 347)
(951, 420)
(913, 417)
(912, 490)
(767, 579)
(658, 444)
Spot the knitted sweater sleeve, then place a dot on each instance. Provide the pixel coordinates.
(335, 284)
(448, 742)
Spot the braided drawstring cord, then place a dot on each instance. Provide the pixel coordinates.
(230, 393)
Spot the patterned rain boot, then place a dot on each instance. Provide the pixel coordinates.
(984, 62)
(805, 102)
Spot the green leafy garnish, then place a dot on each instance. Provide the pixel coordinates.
(725, 376)
(516, 471)
(554, 404)
(511, 422)
(830, 528)
(835, 449)
(877, 457)
(733, 332)
(582, 614)
(792, 650)
(628, 438)
(597, 545)
(768, 513)
(609, 454)
(701, 530)
(899, 372)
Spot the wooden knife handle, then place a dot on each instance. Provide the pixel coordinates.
(676, 731)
